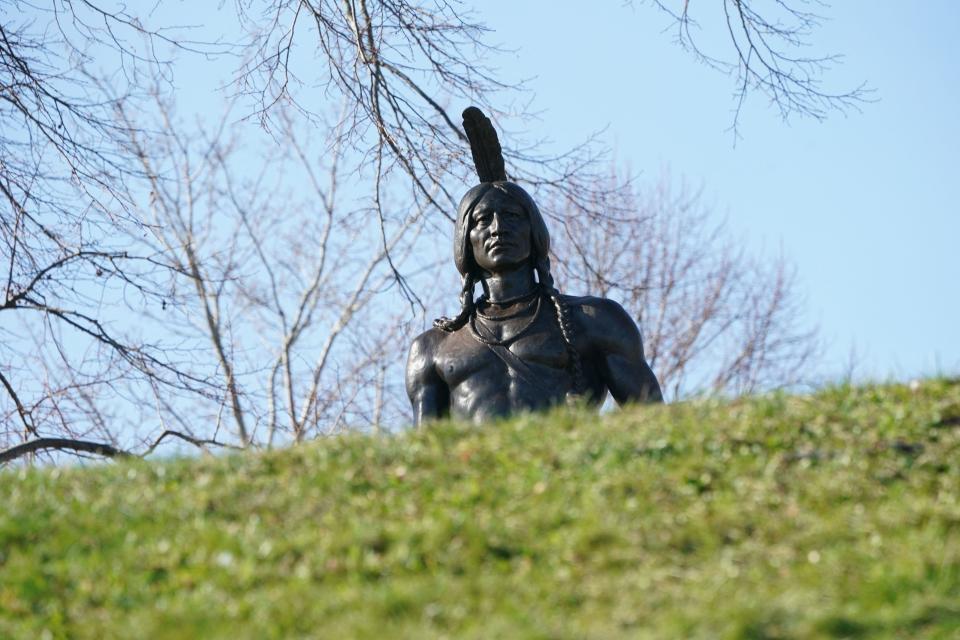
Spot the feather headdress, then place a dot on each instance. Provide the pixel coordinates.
(485, 146)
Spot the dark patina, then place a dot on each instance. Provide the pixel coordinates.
(521, 345)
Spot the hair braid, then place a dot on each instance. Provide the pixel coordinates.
(466, 308)
(566, 324)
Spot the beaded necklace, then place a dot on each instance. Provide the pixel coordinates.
(509, 301)
(503, 343)
(504, 303)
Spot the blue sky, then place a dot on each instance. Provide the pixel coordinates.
(865, 205)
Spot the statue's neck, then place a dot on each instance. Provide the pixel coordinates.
(508, 284)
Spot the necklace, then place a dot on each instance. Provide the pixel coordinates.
(508, 301)
(507, 316)
(502, 342)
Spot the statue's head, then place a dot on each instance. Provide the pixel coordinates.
(524, 239)
(524, 234)
(519, 220)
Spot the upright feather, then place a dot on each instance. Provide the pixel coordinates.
(485, 146)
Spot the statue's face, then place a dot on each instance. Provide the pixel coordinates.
(499, 232)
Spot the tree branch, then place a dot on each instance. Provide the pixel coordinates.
(62, 444)
(198, 442)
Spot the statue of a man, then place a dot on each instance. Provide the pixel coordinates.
(521, 345)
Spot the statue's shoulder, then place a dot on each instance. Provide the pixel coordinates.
(422, 359)
(596, 307)
(601, 317)
(426, 345)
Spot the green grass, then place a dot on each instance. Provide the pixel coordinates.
(835, 515)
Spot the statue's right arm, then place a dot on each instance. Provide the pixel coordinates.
(429, 394)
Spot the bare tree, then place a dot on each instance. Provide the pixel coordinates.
(769, 53)
(158, 287)
(713, 318)
(76, 291)
(399, 64)
(284, 265)
(69, 282)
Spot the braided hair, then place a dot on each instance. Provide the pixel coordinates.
(467, 305)
(540, 245)
(563, 319)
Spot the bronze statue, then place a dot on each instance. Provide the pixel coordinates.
(521, 345)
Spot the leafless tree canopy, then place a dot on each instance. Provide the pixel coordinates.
(156, 289)
(281, 279)
(769, 52)
(68, 278)
(404, 71)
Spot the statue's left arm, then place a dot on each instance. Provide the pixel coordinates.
(618, 349)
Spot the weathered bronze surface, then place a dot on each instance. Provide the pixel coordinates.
(521, 345)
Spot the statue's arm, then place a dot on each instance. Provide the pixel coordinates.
(428, 393)
(619, 349)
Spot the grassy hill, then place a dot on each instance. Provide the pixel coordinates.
(834, 515)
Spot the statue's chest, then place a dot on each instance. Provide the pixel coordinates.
(467, 355)
(542, 345)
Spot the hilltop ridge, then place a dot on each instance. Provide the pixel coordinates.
(830, 515)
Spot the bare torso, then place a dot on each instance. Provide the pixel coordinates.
(457, 374)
